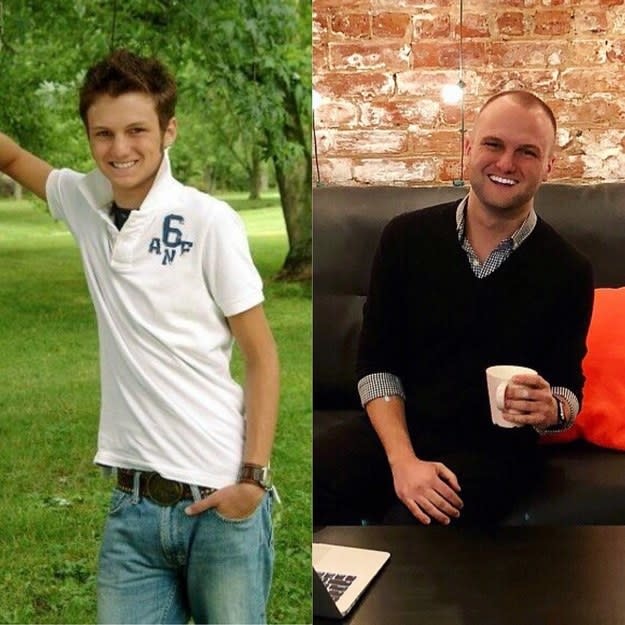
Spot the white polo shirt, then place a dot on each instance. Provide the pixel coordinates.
(162, 288)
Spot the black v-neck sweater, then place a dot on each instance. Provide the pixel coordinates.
(430, 321)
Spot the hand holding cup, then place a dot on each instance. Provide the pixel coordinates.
(501, 382)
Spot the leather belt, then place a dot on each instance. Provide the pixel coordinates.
(155, 487)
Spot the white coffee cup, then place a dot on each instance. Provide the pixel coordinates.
(497, 379)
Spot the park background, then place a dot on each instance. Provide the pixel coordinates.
(244, 118)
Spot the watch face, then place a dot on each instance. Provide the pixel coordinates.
(265, 477)
(260, 475)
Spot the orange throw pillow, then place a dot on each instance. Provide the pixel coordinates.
(602, 418)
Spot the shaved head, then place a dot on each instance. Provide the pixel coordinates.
(527, 100)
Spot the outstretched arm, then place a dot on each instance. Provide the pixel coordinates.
(24, 167)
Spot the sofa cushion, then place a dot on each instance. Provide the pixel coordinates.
(602, 418)
(591, 218)
(336, 318)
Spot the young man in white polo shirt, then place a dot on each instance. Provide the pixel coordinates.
(172, 282)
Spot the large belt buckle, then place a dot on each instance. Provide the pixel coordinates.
(162, 491)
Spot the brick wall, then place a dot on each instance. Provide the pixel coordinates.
(379, 66)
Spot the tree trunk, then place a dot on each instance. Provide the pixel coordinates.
(17, 191)
(258, 175)
(209, 179)
(295, 185)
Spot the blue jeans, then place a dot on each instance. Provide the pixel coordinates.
(158, 565)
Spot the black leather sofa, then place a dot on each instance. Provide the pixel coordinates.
(585, 484)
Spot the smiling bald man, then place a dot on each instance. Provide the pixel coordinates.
(454, 289)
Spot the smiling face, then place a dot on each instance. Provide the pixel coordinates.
(509, 154)
(127, 143)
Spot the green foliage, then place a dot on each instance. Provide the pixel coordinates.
(258, 53)
(241, 67)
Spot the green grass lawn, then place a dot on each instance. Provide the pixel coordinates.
(53, 500)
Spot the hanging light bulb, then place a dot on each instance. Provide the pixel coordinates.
(452, 94)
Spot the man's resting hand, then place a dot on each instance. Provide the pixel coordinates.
(428, 489)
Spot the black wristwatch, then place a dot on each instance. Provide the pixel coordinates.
(562, 421)
(255, 474)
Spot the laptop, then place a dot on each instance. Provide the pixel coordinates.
(341, 575)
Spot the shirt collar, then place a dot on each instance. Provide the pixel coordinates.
(98, 191)
(517, 237)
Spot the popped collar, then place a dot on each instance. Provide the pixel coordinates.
(97, 191)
